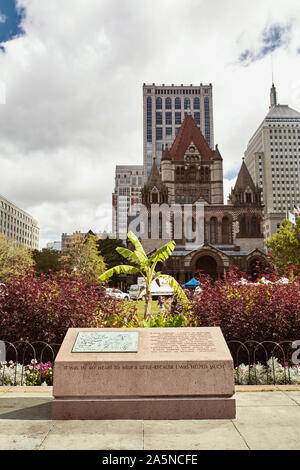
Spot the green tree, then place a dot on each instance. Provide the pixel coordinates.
(83, 256)
(46, 260)
(14, 259)
(284, 247)
(107, 248)
(146, 268)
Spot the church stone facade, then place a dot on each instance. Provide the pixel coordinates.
(191, 178)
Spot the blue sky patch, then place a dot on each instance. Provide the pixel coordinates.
(272, 38)
(10, 21)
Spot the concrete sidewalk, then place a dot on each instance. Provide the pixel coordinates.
(265, 420)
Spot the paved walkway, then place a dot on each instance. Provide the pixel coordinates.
(265, 420)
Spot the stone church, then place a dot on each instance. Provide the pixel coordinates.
(191, 178)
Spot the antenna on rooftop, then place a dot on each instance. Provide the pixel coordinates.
(273, 92)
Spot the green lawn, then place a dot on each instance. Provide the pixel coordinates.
(141, 306)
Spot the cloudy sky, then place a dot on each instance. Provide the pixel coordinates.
(73, 72)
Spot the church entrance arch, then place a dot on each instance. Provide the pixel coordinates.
(207, 265)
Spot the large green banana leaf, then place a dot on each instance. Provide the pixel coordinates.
(162, 253)
(138, 247)
(121, 269)
(132, 256)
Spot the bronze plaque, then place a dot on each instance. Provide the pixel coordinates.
(104, 341)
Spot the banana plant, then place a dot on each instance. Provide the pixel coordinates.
(146, 267)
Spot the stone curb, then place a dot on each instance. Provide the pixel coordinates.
(267, 388)
(238, 388)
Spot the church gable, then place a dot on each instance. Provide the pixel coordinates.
(188, 133)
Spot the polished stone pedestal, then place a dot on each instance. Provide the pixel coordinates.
(160, 373)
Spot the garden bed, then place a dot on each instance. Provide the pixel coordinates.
(41, 374)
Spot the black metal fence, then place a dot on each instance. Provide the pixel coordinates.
(265, 362)
(24, 363)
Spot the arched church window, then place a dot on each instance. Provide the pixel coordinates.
(248, 197)
(158, 103)
(243, 225)
(253, 225)
(225, 231)
(192, 172)
(154, 198)
(189, 228)
(206, 176)
(213, 230)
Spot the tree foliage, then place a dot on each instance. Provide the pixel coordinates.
(84, 257)
(107, 249)
(46, 260)
(13, 259)
(284, 247)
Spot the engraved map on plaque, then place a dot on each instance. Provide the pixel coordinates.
(106, 341)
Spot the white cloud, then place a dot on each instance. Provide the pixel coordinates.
(3, 18)
(74, 92)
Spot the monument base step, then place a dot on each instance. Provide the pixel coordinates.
(144, 408)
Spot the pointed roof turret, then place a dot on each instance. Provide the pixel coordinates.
(245, 191)
(217, 155)
(244, 179)
(166, 154)
(154, 175)
(154, 181)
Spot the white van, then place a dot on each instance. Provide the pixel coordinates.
(137, 291)
(134, 291)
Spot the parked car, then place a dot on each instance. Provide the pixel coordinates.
(116, 293)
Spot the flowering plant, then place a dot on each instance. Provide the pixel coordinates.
(274, 372)
(35, 373)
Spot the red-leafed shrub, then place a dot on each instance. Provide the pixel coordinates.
(42, 308)
(258, 311)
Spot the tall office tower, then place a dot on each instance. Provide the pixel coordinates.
(17, 225)
(273, 160)
(164, 109)
(129, 181)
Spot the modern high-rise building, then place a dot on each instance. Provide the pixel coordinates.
(164, 109)
(17, 225)
(129, 180)
(273, 160)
